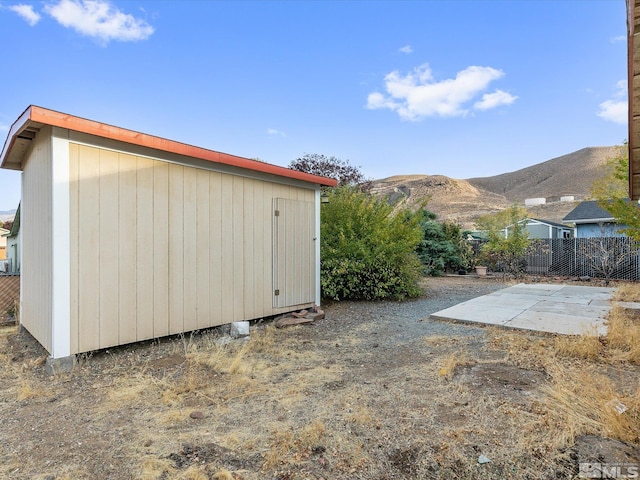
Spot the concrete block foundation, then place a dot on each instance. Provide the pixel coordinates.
(55, 366)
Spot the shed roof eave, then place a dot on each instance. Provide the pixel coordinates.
(37, 116)
(8, 161)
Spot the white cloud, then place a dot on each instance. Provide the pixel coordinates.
(614, 111)
(406, 49)
(4, 128)
(621, 87)
(495, 99)
(273, 131)
(619, 38)
(99, 19)
(418, 95)
(27, 13)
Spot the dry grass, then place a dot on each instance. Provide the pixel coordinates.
(450, 363)
(153, 468)
(289, 446)
(588, 347)
(624, 335)
(223, 474)
(194, 472)
(525, 351)
(584, 402)
(363, 416)
(584, 399)
(627, 292)
(26, 390)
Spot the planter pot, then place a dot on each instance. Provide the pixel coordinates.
(481, 271)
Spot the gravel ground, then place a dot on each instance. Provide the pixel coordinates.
(408, 321)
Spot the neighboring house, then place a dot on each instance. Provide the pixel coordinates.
(593, 221)
(13, 244)
(545, 229)
(3, 243)
(128, 237)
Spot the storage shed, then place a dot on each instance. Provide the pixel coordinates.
(128, 237)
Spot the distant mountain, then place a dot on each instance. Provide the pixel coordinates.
(463, 201)
(570, 174)
(7, 215)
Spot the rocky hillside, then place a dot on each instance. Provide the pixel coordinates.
(463, 201)
(450, 199)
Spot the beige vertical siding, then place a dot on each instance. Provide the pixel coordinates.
(36, 229)
(160, 248)
(109, 221)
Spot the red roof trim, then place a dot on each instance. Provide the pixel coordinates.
(91, 127)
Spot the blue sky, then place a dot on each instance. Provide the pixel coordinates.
(460, 88)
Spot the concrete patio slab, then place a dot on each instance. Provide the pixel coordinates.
(492, 314)
(563, 324)
(505, 301)
(536, 289)
(564, 309)
(569, 308)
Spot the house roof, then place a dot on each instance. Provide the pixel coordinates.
(25, 128)
(549, 222)
(15, 226)
(588, 212)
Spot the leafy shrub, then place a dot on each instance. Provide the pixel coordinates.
(368, 250)
(505, 253)
(443, 246)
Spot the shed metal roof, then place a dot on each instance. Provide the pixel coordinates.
(26, 127)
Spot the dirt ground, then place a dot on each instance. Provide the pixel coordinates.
(373, 391)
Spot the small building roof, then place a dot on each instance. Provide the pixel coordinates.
(588, 212)
(549, 222)
(25, 128)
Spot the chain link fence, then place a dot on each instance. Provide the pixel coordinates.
(599, 257)
(9, 295)
(602, 257)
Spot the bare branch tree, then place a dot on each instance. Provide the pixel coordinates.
(606, 254)
(332, 167)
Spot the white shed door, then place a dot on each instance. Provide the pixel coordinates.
(293, 252)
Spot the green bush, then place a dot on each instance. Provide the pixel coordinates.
(443, 246)
(368, 250)
(505, 254)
